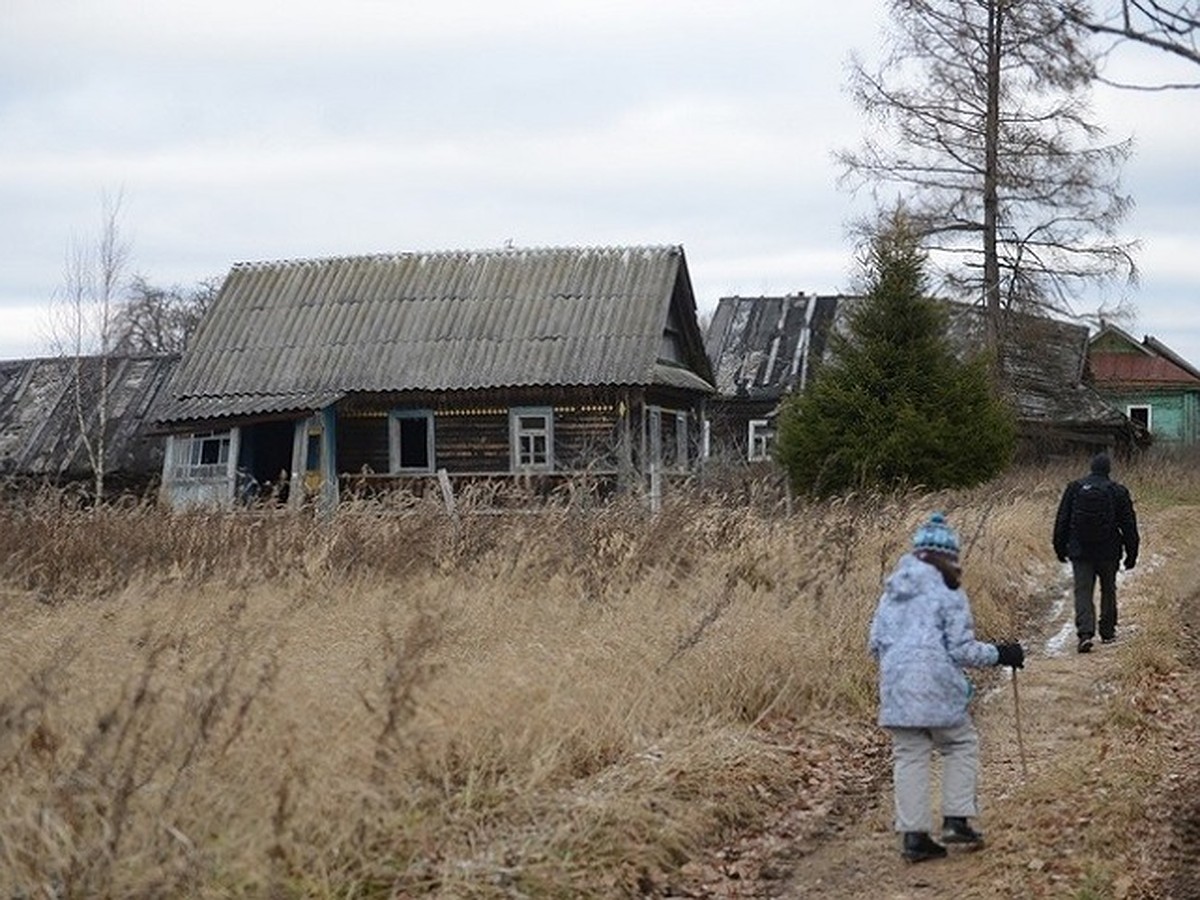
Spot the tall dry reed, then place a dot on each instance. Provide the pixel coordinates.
(391, 702)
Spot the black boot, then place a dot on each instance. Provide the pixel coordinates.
(956, 830)
(919, 846)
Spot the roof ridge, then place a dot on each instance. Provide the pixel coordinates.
(538, 250)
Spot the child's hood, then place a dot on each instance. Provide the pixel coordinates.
(911, 578)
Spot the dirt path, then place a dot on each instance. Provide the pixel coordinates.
(1043, 810)
(1098, 805)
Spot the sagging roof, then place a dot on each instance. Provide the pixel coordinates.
(762, 347)
(40, 432)
(1042, 361)
(293, 334)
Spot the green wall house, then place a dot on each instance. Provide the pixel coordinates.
(1150, 383)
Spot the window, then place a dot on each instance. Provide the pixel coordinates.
(1140, 415)
(667, 438)
(654, 441)
(670, 440)
(531, 436)
(410, 436)
(312, 452)
(760, 440)
(204, 455)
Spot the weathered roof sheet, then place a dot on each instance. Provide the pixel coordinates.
(39, 428)
(1157, 346)
(761, 346)
(303, 330)
(197, 409)
(1116, 359)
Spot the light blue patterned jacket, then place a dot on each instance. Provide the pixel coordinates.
(923, 636)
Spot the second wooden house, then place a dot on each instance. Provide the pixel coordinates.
(765, 348)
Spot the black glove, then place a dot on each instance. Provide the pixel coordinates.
(1011, 655)
(1130, 562)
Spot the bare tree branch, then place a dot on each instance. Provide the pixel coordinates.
(979, 113)
(1169, 27)
(160, 320)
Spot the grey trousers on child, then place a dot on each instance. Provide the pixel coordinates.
(912, 759)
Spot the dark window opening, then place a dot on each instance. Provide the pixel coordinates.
(414, 443)
(210, 452)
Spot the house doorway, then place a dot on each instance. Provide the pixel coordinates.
(265, 460)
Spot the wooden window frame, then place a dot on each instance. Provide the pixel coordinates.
(760, 437)
(190, 462)
(395, 449)
(518, 433)
(1129, 408)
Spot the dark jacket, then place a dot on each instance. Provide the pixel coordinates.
(1123, 539)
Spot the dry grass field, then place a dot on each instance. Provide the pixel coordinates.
(390, 703)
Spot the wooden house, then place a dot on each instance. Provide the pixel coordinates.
(763, 348)
(387, 369)
(1154, 386)
(51, 409)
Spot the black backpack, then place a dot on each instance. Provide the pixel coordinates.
(1094, 514)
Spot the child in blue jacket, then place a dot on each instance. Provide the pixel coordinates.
(923, 636)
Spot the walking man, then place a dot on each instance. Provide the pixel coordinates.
(1094, 527)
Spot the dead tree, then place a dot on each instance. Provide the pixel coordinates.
(980, 124)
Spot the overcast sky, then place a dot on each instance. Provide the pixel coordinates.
(244, 130)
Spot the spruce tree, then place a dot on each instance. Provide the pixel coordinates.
(894, 405)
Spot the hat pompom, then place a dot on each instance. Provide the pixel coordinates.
(936, 535)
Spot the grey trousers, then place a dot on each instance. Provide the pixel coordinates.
(912, 758)
(1086, 573)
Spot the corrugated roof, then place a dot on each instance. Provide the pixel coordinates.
(39, 427)
(445, 321)
(198, 409)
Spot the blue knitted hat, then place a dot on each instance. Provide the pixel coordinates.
(935, 534)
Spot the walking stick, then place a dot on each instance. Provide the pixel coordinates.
(1020, 739)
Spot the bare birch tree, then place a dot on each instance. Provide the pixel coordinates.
(984, 132)
(83, 320)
